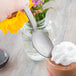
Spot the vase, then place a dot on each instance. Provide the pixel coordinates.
(27, 38)
(52, 24)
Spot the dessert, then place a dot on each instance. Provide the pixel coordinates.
(63, 61)
(60, 70)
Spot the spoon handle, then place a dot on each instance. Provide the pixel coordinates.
(31, 18)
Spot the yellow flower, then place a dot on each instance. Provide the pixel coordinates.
(15, 23)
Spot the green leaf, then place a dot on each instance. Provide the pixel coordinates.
(45, 1)
(37, 7)
(40, 16)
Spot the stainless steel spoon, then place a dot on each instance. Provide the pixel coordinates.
(40, 40)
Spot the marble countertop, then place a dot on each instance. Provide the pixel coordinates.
(19, 64)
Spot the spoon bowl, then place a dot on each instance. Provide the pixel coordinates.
(42, 43)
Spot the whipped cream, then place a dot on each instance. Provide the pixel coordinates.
(64, 53)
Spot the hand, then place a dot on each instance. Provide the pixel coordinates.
(7, 7)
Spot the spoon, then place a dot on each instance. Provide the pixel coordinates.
(40, 40)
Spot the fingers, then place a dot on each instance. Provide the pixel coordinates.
(17, 5)
(8, 7)
(20, 4)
